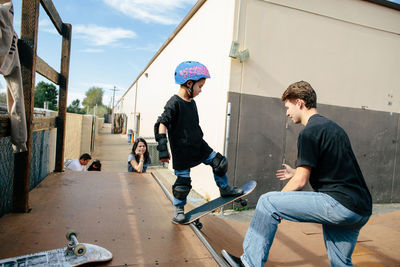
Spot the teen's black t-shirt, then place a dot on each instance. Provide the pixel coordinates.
(325, 147)
(184, 133)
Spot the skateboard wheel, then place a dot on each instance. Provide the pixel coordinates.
(243, 203)
(80, 250)
(198, 224)
(69, 234)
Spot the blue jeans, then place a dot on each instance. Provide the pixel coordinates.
(341, 226)
(221, 181)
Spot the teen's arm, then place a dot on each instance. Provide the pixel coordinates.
(162, 129)
(299, 180)
(138, 166)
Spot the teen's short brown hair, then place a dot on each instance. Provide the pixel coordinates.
(301, 90)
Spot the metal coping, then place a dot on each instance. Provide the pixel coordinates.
(215, 255)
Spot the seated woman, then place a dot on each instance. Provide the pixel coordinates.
(95, 166)
(139, 158)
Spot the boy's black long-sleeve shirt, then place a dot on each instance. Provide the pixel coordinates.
(184, 133)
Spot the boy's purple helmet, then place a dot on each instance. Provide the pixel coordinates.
(190, 71)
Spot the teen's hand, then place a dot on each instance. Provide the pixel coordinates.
(286, 173)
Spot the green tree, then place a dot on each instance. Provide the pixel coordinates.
(74, 107)
(100, 110)
(46, 92)
(94, 96)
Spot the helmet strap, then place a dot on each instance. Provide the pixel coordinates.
(190, 89)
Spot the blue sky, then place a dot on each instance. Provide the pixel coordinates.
(112, 40)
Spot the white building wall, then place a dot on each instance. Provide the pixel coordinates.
(127, 106)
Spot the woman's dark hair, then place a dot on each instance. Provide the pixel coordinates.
(95, 166)
(146, 154)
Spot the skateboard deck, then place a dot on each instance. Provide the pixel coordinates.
(72, 255)
(209, 207)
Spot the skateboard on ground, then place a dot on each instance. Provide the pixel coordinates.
(74, 254)
(195, 214)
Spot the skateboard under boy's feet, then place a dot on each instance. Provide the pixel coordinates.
(74, 254)
(195, 214)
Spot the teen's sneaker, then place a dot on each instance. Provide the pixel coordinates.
(179, 215)
(230, 191)
(232, 260)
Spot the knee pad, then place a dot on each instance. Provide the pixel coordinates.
(181, 187)
(219, 165)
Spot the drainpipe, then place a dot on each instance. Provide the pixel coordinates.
(228, 123)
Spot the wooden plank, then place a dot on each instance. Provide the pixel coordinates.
(43, 123)
(53, 14)
(5, 126)
(27, 56)
(44, 69)
(126, 213)
(62, 100)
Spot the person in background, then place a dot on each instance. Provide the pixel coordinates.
(95, 166)
(139, 159)
(78, 164)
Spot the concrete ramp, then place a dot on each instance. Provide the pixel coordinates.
(126, 213)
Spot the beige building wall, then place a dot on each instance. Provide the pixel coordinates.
(73, 133)
(78, 134)
(86, 138)
(347, 49)
(52, 150)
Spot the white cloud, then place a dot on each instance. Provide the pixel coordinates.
(72, 95)
(101, 36)
(46, 25)
(157, 11)
(92, 50)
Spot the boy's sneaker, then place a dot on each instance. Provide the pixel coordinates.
(230, 191)
(232, 260)
(179, 215)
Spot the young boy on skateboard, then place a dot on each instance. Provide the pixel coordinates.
(341, 201)
(181, 120)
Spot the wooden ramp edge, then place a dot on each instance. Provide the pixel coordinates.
(126, 213)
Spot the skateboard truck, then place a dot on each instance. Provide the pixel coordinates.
(198, 224)
(74, 246)
(241, 201)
